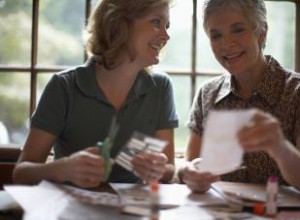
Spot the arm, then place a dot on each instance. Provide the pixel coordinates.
(194, 146)
(197, 181)
(156, 166)
(288, 160)
(84, 168)
(153, 166)
(192, 152)
(264, 133)
(168, 135)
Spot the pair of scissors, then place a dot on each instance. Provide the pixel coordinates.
(106, 145)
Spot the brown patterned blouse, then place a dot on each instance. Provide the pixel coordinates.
(278, 93)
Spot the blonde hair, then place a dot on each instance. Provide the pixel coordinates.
(108, 29)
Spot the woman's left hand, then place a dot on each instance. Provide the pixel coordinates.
(149, 166)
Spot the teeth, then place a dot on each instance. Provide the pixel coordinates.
(157, 47)
(232, 56)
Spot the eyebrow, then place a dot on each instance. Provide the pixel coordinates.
(231, 26)
(238, 24)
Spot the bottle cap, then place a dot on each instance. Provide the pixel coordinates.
(273, 179)
(259, 209)
(154, 186)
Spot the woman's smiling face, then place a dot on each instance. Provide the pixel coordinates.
(234, 40)
(149, 35)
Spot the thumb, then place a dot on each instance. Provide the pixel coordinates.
(93, 150)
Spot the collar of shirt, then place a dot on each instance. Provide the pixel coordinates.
(87, 83)
(270, 88)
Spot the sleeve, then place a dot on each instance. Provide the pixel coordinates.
(51, 112)
(195, 121)
(296, 134)
(168, 114)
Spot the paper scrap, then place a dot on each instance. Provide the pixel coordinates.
(49, 200)
(138, 143)
(221, 153)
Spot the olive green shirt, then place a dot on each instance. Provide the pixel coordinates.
(74, 109)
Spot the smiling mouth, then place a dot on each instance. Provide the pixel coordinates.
(232, 57)
(157, 47)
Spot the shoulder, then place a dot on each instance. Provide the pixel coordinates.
(160, 79)
(70, 77)
(77, 73)
(64, 76)
(160, 76)
(291, 78)
(276, 68)
(215, 83)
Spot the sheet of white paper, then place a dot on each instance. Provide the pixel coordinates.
(48, 200)
(221, 152)
(7, 202)
(31, 197)
(139, 195)
(43, 201)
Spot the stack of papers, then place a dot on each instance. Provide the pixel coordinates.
(247, 194)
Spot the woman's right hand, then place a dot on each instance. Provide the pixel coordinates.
(196, 180)
(84, 168)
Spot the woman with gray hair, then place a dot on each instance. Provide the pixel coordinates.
(237, 30)
(123, 38)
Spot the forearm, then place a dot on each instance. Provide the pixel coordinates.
(288, 160)
(33, 173)
(169, 173)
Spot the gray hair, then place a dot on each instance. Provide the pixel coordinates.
(254, 11)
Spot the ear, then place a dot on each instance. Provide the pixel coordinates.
(263, 37)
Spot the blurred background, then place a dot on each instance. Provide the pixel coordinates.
(38, 38)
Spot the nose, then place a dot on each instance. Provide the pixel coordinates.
(165, 36)
(227, 41)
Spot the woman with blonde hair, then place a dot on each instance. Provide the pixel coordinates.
(77, 105)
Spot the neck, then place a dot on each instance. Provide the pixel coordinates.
(116, 83)
(246, 83)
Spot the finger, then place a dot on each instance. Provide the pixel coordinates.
(93, 150)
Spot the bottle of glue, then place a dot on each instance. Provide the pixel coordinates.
(154, 194)
(272, 191)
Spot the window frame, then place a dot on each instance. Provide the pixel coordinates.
(34, 69)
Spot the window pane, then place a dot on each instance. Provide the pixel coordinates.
(42, 81)
(14, 102)
(177, 55)
(182, 92)
(281, 35)
(95, 2)
(206, 61)
(202, 79)
(60, 32)
(15, 31)
(280, 39)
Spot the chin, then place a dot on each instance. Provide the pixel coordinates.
(154, 62)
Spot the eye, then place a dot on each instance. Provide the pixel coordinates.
(238, 30)
(156, 22)
(168, 25)
(215, 36)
